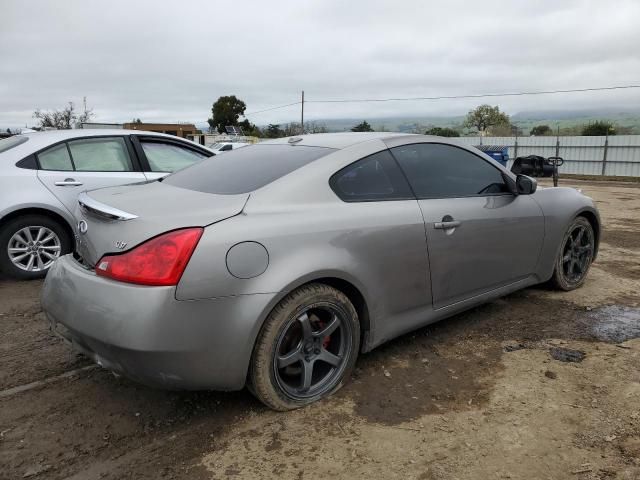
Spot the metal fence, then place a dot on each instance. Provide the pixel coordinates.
(618, 155)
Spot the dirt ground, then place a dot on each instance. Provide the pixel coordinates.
(486, 394)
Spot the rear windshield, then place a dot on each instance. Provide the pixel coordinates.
(11, 142)
(245, 169)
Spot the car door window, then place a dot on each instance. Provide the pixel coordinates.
(376, 177)
(226, 148)
(169, 157)
(100, 155)
(436, 170)
(56, 158)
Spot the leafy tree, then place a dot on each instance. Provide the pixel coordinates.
(291, 129)
(136, 121)
(600, 127)
(504, 130)
(225, 112)
(362, 127)
(442, 132)
(315, 127)
(622, 130)
(485, 116)
(249, 128)
(540, 130)
(274, 131)
(63, 119)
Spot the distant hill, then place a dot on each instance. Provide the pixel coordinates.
(569, 121)
(574, 114)
(628, 121)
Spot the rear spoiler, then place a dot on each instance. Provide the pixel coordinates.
(100, 209)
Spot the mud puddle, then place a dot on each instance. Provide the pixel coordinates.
(614, 323)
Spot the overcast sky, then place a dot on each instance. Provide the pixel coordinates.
(168, 61)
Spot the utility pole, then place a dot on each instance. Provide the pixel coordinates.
(302, 115)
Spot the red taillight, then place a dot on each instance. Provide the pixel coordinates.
(159, 261)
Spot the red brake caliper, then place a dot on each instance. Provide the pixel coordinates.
(326, 340)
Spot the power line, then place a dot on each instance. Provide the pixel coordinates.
(483, 95)
(272, 108)
(447, 97)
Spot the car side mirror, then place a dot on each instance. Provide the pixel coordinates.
(526, 185)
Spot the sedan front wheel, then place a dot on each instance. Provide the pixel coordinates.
(306, 348)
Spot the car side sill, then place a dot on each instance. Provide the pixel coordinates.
(404, 322)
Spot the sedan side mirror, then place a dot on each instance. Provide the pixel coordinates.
(526, 185)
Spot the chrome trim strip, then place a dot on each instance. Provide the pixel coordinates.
(98, 208)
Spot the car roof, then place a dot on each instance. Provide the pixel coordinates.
(40, 140)
(335, 140)
(51, 136)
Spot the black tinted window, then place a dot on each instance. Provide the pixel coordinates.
(245, 169)
(436, 170)
(376, 177)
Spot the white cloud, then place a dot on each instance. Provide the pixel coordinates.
(171, 60)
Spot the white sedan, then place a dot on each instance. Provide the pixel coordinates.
(42, 173)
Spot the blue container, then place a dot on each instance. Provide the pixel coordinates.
(500, 153)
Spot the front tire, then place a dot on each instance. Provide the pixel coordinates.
(30, 244)
(307, 347)
(575, 255)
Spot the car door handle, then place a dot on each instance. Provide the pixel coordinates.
(68, 182)
(446, 225)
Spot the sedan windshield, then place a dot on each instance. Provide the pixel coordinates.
(243, 170)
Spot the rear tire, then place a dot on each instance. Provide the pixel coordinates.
(307, 347)
(575, 255)
(30, 244)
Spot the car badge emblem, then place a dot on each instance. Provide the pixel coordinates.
(121, 245)
(83, 227)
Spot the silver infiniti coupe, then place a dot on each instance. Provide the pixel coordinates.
(274, 265)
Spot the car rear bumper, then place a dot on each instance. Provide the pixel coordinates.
(146, 334)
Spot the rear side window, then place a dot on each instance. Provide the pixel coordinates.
(56, 158)
(167, 157)
(100, 155)
(11, 142)
(245, 169)
(374, 178)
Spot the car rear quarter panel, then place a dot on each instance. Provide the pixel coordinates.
(379, 248)
(363, 240)
(20, 189)
(560, 206)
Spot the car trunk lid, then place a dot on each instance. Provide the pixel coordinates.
(114, 220)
